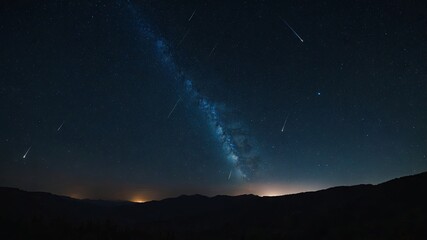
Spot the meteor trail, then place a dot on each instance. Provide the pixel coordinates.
(174, 107)
(229, 175)
(185, 35)
(192, 15)
(60, 127)
(296, 34)
(25, 155)
(213, 49)
(284, 124)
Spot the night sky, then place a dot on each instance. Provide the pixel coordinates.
(141, 100)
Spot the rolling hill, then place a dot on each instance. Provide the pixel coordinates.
(395, 209)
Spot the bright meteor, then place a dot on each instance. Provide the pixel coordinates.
(289, 26)
(25, 155)
(284, 124)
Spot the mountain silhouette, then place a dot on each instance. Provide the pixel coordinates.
(395, 209)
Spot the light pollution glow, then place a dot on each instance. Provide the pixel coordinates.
(275, 189)
(260, 189)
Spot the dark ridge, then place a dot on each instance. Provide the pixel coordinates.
(394, 209)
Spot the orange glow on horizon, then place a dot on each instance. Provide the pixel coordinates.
(137, 200)
(267, 189)
(75, 195)
(274, 189)
(272, 192)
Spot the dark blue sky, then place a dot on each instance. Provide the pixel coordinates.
(354, 94)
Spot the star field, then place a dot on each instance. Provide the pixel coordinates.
(140, 100)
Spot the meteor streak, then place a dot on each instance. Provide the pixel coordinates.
(192, 15)
(60, 127)
(25, 155)
(229, 175)
(284, 124)
(185, 35)
(296, 34)
(174, 107)
(213, 49)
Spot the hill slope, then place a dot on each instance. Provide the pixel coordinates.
(392, 210)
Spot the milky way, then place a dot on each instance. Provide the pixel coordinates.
(238, 146)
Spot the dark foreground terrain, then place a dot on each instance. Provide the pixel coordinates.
(393, 210)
